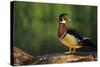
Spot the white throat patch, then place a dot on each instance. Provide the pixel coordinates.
(63, 21)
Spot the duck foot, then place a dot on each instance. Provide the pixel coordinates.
(66, 53)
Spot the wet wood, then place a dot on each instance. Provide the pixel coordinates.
(23, 58)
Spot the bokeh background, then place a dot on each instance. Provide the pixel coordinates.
(35, 25)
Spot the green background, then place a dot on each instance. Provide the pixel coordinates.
(36, 25)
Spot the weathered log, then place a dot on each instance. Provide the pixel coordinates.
(23, 58)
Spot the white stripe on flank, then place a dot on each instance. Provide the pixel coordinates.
(62, 35)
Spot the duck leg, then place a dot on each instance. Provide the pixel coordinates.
(74, 50)
(70, 51)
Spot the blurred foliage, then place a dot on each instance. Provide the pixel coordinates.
(36, 25)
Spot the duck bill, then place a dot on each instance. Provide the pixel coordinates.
(69, 19)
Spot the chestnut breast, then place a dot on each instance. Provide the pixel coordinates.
(62, 29)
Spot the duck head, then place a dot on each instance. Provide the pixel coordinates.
(64, 18)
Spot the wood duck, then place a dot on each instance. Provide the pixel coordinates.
(70, 37)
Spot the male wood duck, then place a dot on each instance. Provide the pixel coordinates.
(70, 37)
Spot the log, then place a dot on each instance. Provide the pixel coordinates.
(23, 58)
